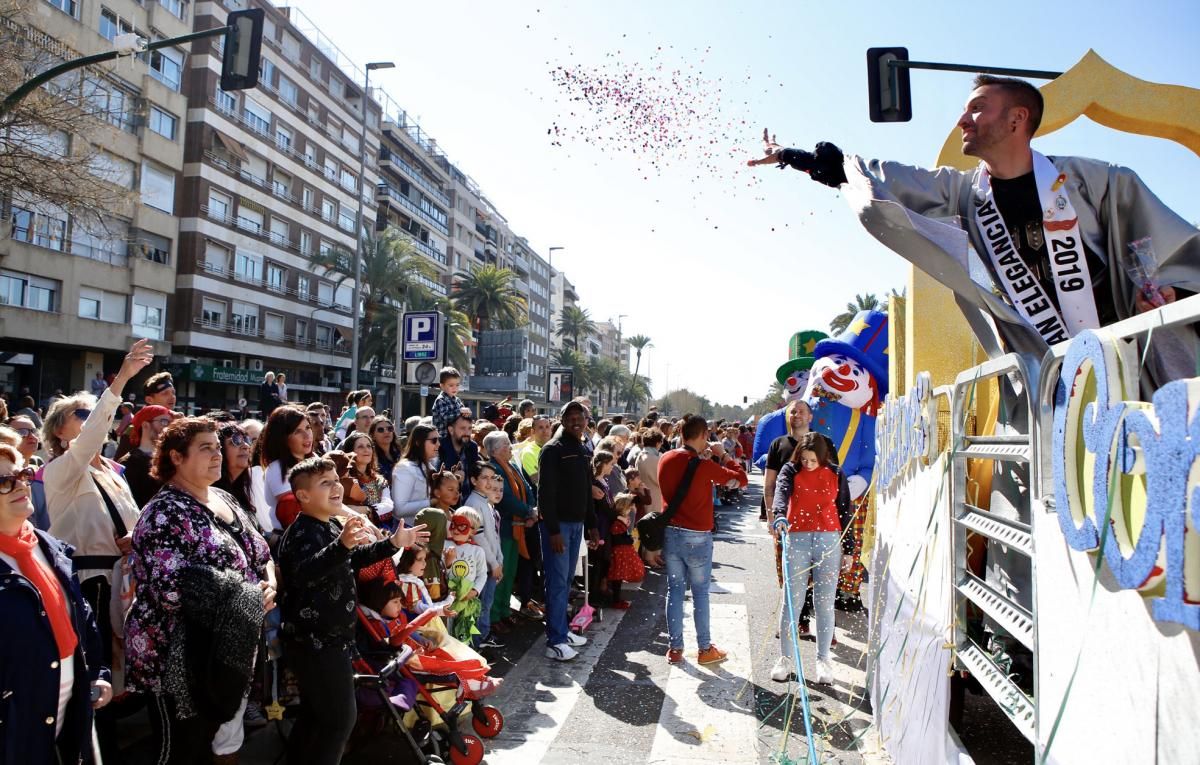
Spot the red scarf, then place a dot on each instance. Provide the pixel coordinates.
(54, 600)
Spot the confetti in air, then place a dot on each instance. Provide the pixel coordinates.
(660, 113)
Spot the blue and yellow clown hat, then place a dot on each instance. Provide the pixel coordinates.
(865, 341)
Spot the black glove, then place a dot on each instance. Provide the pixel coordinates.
(823, 165)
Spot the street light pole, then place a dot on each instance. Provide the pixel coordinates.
(550, 259)
(356, 308)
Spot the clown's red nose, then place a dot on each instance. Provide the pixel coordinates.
(844, 370)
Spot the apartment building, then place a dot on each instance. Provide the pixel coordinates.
(75, 292)
(562, 294)
(270, 178)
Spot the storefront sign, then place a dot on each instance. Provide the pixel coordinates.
(1136, 465)
(230, 375)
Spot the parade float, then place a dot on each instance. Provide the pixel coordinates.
(1081, 481)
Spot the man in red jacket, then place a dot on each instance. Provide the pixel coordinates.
(688, 545)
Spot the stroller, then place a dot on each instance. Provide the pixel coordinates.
(423, 693)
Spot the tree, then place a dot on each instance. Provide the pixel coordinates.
(489, 297)
(868, 302)
(609, 375)
(635, 389)
(458, 327)
(391, 269)
(575, 323)
(639, 343)
(50, 157)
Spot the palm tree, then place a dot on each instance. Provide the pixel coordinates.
(489, 297)
(639, 343)
(575, 323)
(635, 389)
(458, 327)
(391, 272)
(608, 373)
(868, 302)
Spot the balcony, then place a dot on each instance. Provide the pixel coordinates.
(114, 252)
(386, 155)
(424, 249)
(520, 264)
(385, 190)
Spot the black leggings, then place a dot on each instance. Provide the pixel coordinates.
(97, 592)
(179, 742)
(327, 706)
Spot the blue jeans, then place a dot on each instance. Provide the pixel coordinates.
(558, 568)
(819, 554)
(484, 622)
(689, 564)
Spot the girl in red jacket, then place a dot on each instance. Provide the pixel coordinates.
(806, 508)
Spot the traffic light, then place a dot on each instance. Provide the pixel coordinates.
(243, 49)
(887, 85)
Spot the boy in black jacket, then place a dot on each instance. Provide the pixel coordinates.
(317, 562)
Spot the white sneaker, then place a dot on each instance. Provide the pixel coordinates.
(560, 652)
(576, 639)
(824, 673)
(782, 671)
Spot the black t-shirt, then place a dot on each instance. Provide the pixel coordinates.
(1021, 207)
(780, 452)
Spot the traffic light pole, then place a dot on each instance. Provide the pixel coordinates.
(29, 86)
(1037, 74)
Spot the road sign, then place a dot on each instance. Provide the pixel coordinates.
(422, 336)
(424, 390)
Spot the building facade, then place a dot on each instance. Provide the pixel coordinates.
(76, 291)
(270, 180)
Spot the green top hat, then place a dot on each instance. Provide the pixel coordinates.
(800, 351)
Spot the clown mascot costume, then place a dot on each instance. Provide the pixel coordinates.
(793, 376)
(846, 385)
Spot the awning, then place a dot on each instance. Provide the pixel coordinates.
(231, 146)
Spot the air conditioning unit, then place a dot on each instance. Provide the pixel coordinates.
(256, 365)
(227, 363)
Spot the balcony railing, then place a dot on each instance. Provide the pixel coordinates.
(234, 328)
(425, 249)
(387, 155)
(392, 194)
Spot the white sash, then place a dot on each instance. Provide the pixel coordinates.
(1068, 262)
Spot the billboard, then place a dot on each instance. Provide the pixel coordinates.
(560, 385)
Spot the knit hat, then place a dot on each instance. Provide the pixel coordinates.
(144, 415)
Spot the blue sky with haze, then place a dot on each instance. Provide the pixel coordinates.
(711, 268)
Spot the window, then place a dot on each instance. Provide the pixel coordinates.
(283, 138)
(166, 66)
(269, 31)
(257, 116)
(331, 168)
(314, 68)
(69, 7)
(158, 188)
(314, 113)
(226, 102)
(248, 266)
(152, 247)
(112, 25)
(244, 318)
(335, 87)
(149, 310)
(254, 169)
(328, 210)
(305, 243)
(310, 154)
(27, 291)
(324, 336)
(266, 72)
(302, 284)
(325, 293)
(288, 91)
(276, 278)
(324, 247)
(349, 180)
(279, 232)
(105, 241)
(163, 123)
(213, 313)
(306, 198)
(178, 8)
(45, 229)
(302, 331)
(108, 102)
(346, 220)
(349, 140)
(291, 46)
(220, 206)
(273, 328)
(101, 305)
(249, 219)
(216, 257)
(281, 183)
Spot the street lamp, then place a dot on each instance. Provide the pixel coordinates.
(356, 308)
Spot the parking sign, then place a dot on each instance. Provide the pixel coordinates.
(422, 331)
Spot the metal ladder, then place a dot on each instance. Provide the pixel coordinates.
(1019, 622)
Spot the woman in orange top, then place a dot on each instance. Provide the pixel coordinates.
(806, 507)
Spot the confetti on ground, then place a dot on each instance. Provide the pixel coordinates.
(661, 113)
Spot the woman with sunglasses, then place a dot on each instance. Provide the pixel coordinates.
(387, 451)
(235, 470)
(89, 504)
(287, 439)
(410, 478)
(50, 640)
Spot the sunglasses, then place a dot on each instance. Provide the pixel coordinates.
(384, 429)
(25, 432)
(82, 414)
(9, 482)
(162, 422)
(434, 440)
(240, 439)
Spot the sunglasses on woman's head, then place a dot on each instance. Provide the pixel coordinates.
(82, 414)
(384, 429)
(25, 432)
(9, 482)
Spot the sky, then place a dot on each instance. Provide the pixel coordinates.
(718, 263)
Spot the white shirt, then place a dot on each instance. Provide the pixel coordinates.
(410, 489)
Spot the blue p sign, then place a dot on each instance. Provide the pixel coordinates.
(421, 336)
